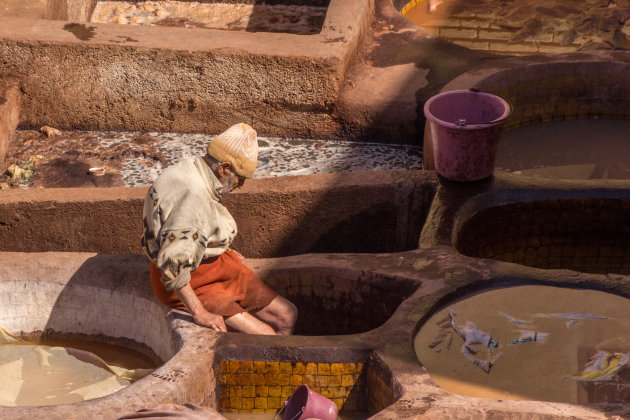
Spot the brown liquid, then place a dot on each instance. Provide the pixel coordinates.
(112, 354)
(531, 370)
(596, 148)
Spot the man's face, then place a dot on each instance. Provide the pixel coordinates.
(228, 178)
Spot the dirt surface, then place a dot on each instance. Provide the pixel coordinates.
(135, 159)
(36, 9)
(293, 19)
(65, 160)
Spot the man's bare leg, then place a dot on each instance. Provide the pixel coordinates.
(280, 314)
(248, 324)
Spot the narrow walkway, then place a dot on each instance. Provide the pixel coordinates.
(135, 159)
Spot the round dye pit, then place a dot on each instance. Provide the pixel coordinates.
(338, 302)
(94, 302)
(586, 91)
(543, 339)
(52, 372)
(586, 235)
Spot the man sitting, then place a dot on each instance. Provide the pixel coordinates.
(187, 236)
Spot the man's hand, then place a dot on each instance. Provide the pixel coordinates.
(200, 315)
(210, 320)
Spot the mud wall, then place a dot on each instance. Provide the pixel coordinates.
(141, 89)
(377, 211)
(141, 78)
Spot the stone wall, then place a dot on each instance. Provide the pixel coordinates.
(376, 211)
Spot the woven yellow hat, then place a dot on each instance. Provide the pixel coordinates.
(239, 146)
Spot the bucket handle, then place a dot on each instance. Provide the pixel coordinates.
(281, 409)
(462, 122)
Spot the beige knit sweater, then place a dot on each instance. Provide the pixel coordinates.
(184, 221)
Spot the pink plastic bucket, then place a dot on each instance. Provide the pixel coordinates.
(465, 131)
(305, 403)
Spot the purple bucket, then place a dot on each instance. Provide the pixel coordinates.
(305, 403)
(465, 131)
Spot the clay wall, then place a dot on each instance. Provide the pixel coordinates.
(94, 76)
(376, 211)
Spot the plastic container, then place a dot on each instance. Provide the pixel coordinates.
(465, 131)
(305, 403)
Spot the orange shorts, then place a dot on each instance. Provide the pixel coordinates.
(224, 285)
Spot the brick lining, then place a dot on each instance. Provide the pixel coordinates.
(357, 304)
(264, 386)
(479, 32)
(587, 235)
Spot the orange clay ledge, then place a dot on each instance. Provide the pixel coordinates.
(126, 77)
(372, 211)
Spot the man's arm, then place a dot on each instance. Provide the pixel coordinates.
(200, 315)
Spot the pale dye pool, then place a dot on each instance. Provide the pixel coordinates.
(57, 372)
(539, 341)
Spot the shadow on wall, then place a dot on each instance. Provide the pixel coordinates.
(375, 211)
(264, 19)
(372, 211)
(84, 307)
(405, 66)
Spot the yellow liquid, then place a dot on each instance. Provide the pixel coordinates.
(63, 372)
